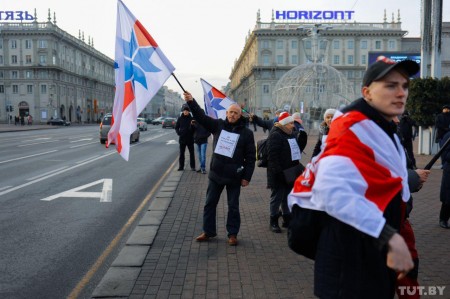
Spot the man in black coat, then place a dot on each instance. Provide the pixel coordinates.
(232, 166)
(442, 123)
(185, 131)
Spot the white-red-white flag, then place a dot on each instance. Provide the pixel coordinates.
(141, 69)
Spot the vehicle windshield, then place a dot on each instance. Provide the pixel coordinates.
(141, 119)
(106, 120)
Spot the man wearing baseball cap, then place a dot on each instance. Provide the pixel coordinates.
(360, 180)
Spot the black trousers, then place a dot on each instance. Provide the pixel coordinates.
(191, 155)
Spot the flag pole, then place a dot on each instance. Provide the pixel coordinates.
(178, 82)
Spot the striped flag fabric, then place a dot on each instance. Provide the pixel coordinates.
(356, 174)
(141, 69)
(216, 102)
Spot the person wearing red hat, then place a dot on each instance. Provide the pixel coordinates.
(284, 152)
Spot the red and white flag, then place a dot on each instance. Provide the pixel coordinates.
(357, 173)
(141, 69)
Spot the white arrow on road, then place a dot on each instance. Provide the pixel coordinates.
(171, 142)
(104, 196)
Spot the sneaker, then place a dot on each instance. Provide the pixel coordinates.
(203, 237)
(203, 171)
(444, 224)
(232, 241)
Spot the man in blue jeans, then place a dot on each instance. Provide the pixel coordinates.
(201, 140)
(232, 166)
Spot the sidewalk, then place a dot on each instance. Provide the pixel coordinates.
(162, 259)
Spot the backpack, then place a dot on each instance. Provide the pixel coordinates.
(261, 153)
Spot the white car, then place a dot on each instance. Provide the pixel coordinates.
(141, 124)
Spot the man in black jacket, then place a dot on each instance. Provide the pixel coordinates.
(185, 131)
(232, 166)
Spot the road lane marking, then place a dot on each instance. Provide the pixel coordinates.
(101, 259)
(24, 157)
(30, 144)
(88, 159)
(104, 196)
(75, 146)
(5, 187)
(44, 174)
(84, 139)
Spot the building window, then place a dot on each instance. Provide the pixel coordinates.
(42, 44)
(28, 74)
(1, 43)
(266, 60)
(42, 59)
(28, 59)
(350, 44)
(350, 59)
(15, 88)
(308, 44)
(391, 45)
(280, 59)
(323, 44)
(27, 44)
(378, 44)
(336, 59)
(336, 44)
(294, 44)
(14, 74)
(29, 89)
(266, 88)
(1, 59)
(13, 44)
(363, 59)
(2, 89)
(350, 74)
(363, 44)
(265, 44)
(280, 44)
(1, 74)
(294, 59)
(43, 89)
(13, 59)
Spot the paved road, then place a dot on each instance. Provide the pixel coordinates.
(162, 260)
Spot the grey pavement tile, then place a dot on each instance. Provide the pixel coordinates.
(117, 282)
(142, 235)
(160, 204)
(152, 218)
(131, 256)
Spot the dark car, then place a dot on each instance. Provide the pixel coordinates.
(105, 126)
(158, 121)
(58, 122)
(169, 122)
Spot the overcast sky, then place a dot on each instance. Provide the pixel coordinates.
(202, 38)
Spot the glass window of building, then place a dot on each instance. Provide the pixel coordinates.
(294, 59)
(336, 59)
(323, 44)
(378, 45)
(266, 88)
(391, 45)
(28, 74)
(363, 59)
(13, 59)
(308, 89)
(265, 44)
(266, 60)
(14, 74)
(280, 44)
(308, 44)
(43, 89)
(1, 74)
(350, 44)
(42, 58)
(13, 44)
(1, 59)
(363, 44)
(27, 44)
(1, 43)
(336, 44)
(2, 89)
(42, 44)
(350, 59)
(280, 59)
(29, 88)
(15, 88)
(28, 59)
(294, 44)
(350, 74)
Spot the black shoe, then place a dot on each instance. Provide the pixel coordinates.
(444, 224)
(198, 170)
(180, 169)
(274, 227)
(286, 220)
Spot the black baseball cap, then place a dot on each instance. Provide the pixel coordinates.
(446, 106)
(185, 107)
(383, 65)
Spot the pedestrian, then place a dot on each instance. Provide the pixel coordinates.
(22, 120)
(232, 165)
(266, 124)
(201, 140)
(298, 127)
(407, 131)
(442, 123)
(360, 180)
(185, 131)
(284, 152)
(323, 130)
(444, 214)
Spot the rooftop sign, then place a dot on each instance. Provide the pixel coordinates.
(314, 14)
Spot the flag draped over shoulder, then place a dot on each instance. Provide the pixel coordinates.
(355, 176)
(141, 69)
(216, 103)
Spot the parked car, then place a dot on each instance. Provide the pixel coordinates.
(158, 121)
(105, 126)
(169, 122)
(141, 124)
(58, 122)
(149, 121)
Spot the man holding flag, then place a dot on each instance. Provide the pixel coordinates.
(232, 166)
(141, 70)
